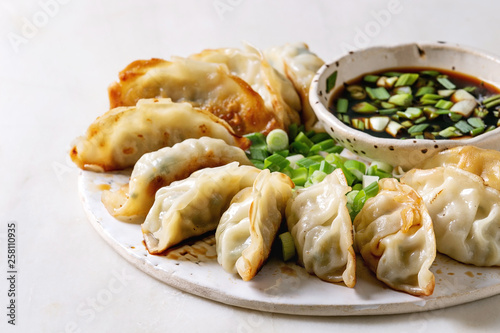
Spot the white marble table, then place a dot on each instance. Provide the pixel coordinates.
(56, 60)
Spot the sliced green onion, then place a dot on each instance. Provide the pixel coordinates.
(374, 171)
(287, 246)
(393, 128)
(480, 113)
(356, 168)
(401, 99)
(450, 132)
(443, 104)
(276, 162)
(258, 153)
(258, 139)
(387, 112)
(371, 78)
(383, 166)
(418, 129)
(317, 176)
(454, 116)
(357, 92)
(334, 150)
(461, 95)
(368, 183)
(293, 160)
(407, 124)
(392, 74)
(379, 93)
(476, 122)
(425, 90)
(387, 105)
(299, 176)
(446, 92)
(351, 195)
(431, 73)
(277, 140)
(293, 130)
(302, 138)
(299, 148)
(330, 81)
(406, 79)
(379, 123)
(342, 105)
(258, 163)
(326, 167)
(464, 127)
(491, 99)
(431, 96)
(476, 131)
(491, 104)
(306, 162)
(420, 120)
(445, 82)
(322, 146)
(402, 90)
(364, 107)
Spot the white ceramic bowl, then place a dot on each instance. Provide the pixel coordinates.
(409, 152)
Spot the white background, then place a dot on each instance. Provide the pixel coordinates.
(57, 59)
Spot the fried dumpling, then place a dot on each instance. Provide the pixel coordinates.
(249, 64)
(482, 162)
(160, 168)
(208, 86)
(465, 213)
(117, 139)
(321, 227)
(246, 231)
(299, 65)
(394, 235)
(193, 206)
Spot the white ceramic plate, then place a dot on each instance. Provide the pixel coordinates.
(278, 287)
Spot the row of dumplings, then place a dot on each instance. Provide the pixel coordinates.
(220, 93)
(450, 204)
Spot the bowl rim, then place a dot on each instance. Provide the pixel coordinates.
(325, 116)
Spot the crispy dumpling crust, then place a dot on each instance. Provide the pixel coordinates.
(117, 139)
(206, 85)
(249, 64)
(271, 192)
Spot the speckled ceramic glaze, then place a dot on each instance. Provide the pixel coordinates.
(409, 152)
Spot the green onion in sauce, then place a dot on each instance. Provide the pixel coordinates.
(418, 103)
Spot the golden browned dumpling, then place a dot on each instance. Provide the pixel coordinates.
(208, 86)
(117, 139)
(278, 93)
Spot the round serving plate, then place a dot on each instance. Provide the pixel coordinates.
(279, 287)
